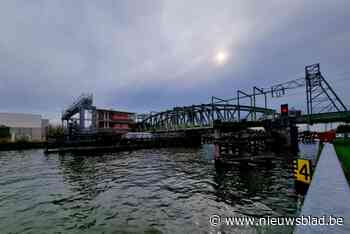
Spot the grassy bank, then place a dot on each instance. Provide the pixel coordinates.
(342, 148)
(21, 145)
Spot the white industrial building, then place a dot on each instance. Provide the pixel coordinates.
(30, 127)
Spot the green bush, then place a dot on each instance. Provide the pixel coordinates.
(55, 131)
(4, 132)
(343, 128)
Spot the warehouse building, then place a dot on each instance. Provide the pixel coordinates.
(28, 127)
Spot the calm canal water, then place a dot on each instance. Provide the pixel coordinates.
(145, 191)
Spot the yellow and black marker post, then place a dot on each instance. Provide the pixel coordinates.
(302, 175)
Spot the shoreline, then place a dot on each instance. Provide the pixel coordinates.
(5, 146)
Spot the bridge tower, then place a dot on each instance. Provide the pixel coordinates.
(320, 96)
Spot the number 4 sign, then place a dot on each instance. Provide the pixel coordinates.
(302, 170)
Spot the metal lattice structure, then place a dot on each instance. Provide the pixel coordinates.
(83, 103)
(320, 96)
(323, 105)
(199, 116)
(275, 91)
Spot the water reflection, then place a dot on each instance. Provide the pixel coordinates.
(152, 191)
(267, 184)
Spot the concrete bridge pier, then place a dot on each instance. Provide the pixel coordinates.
(287, 138)
(193, 138)
(217, 135)
(82, 118)
(241, 141)
(294, 139)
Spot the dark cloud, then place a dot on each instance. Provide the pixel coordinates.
(150, 55)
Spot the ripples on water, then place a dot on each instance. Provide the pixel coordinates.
(145, 191)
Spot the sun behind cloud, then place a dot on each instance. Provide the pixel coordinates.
(221, 57)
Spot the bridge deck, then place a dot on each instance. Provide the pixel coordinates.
(329, 117)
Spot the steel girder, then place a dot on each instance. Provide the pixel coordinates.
(330, 117)
(199, 116)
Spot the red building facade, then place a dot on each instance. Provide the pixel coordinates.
(114, 121)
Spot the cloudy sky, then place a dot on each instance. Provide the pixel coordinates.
(152, 55)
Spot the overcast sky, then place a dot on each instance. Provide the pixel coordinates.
(152, 55)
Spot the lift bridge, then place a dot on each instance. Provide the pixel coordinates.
(322, 102)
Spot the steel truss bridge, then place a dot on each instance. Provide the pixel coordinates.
(322, 102)
(200, 116)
